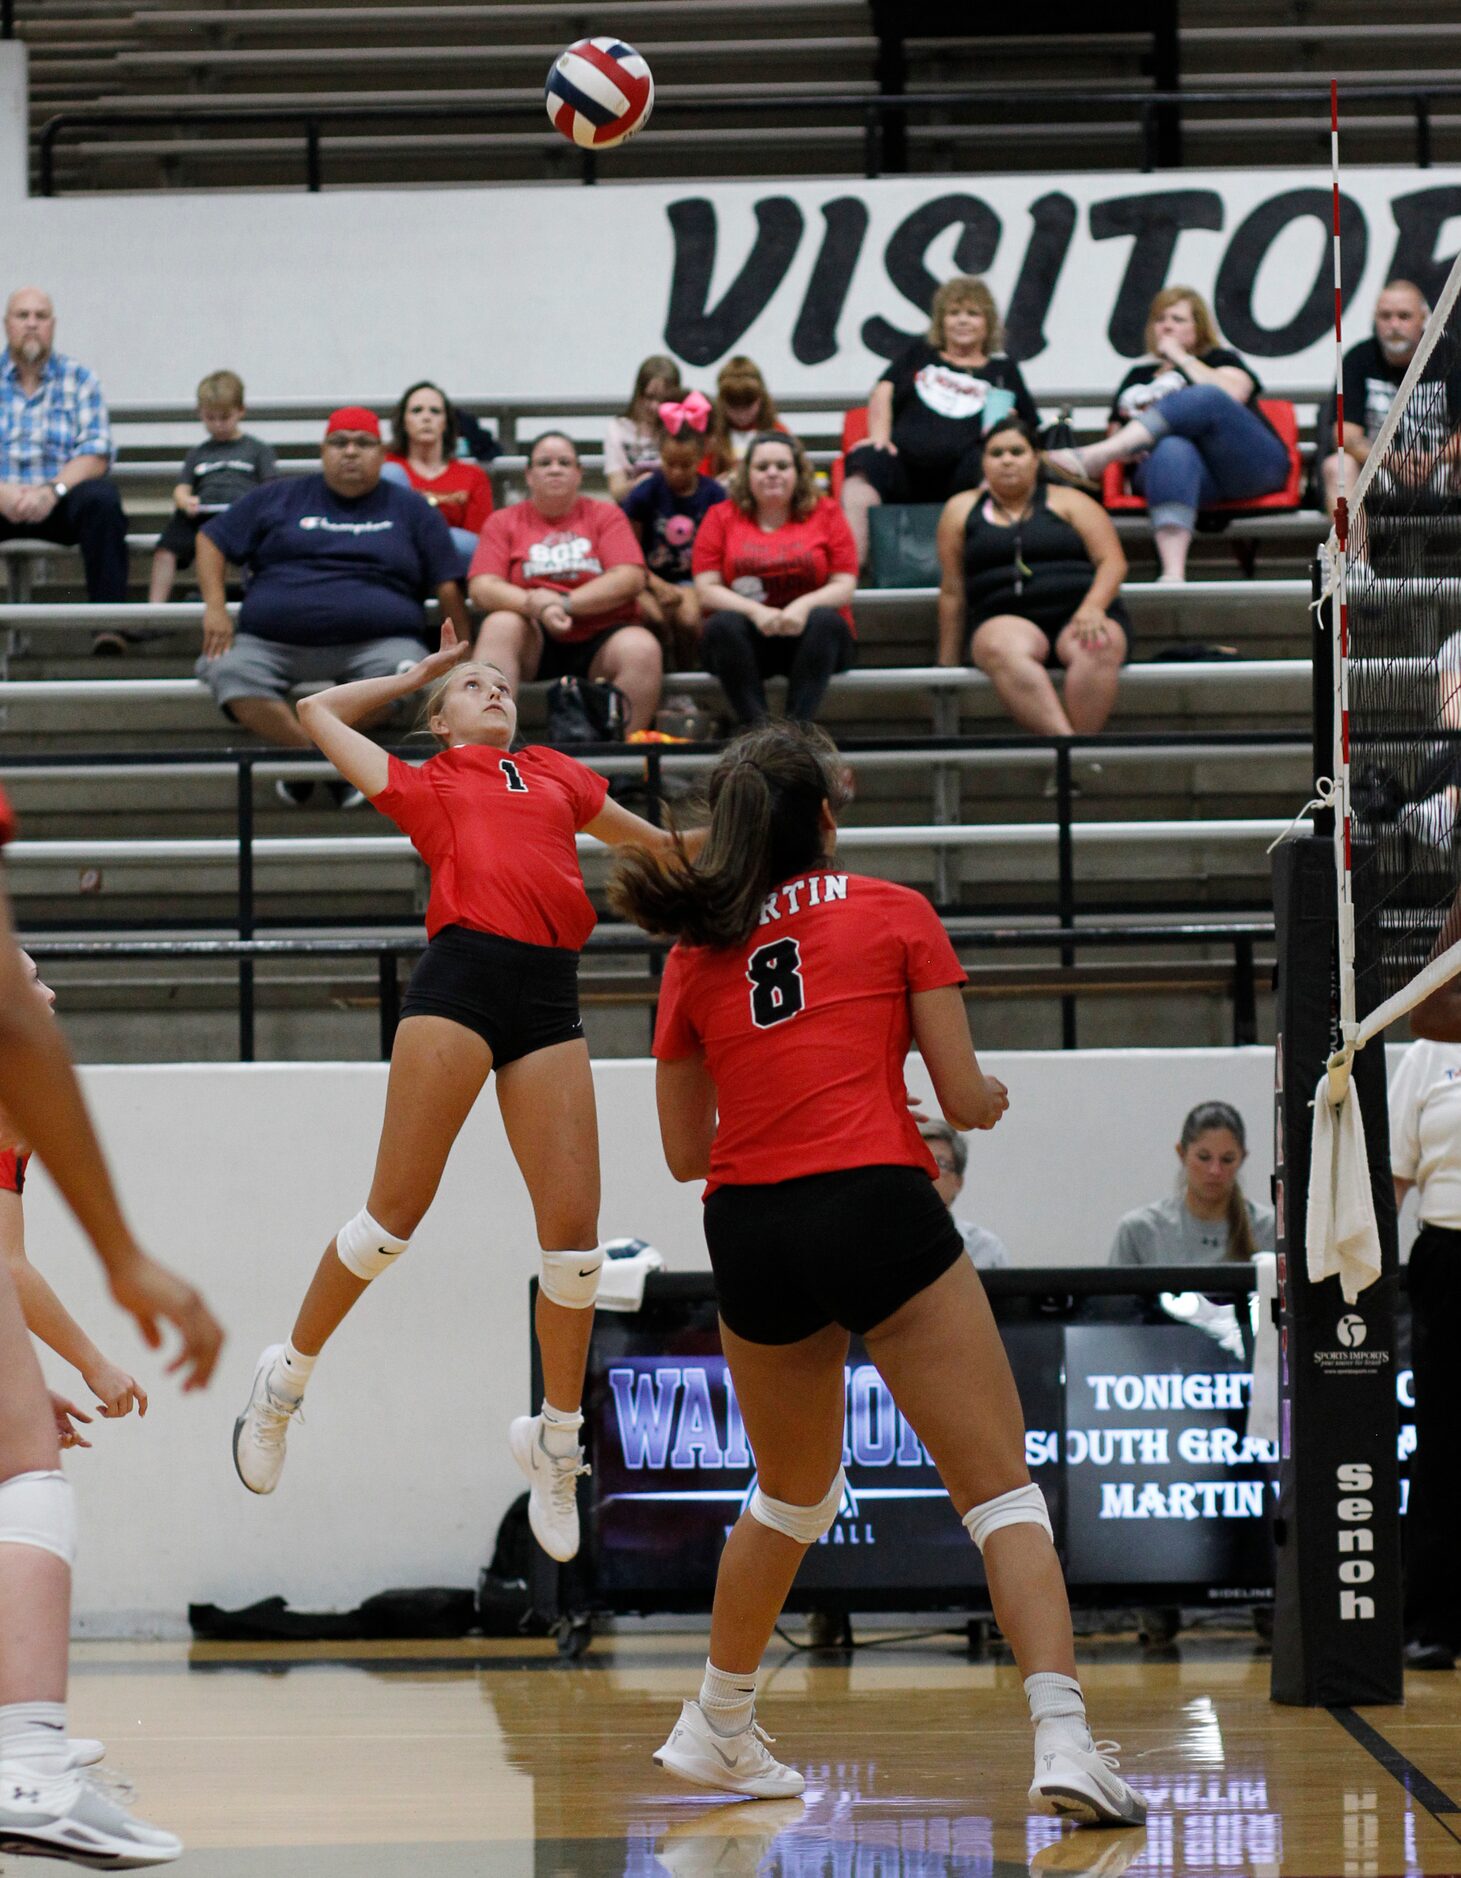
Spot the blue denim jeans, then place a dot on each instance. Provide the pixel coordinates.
(1206, 448)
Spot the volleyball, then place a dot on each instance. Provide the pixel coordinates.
(599, 92)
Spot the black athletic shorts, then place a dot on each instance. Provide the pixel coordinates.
(571, 658)
(847, 1248)
(518, 998)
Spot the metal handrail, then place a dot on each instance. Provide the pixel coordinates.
(876, 110)
(245, 847)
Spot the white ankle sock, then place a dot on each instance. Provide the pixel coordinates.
(292, 1371)
(1058, 1710)
(560, 1430)
(727, 1699)
(33, 1736)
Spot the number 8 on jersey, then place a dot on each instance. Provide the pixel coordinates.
(775, 975)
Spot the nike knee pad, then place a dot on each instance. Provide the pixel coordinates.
(39, 1510)
(1022, 1506)
(572, 1278)
(364, 1247)
(806, 1524)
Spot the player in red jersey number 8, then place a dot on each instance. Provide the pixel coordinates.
(787, 1009)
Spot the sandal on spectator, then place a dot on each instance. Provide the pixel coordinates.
(1066, 466)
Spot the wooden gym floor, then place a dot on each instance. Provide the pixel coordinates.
(500, 1760)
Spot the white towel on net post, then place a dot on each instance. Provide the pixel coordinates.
(1343, 1238)
(1263, 1398)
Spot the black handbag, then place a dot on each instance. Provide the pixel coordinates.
(586, 710)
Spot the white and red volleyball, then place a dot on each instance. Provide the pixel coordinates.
(599, 92)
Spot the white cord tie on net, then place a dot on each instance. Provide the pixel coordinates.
(1326, 798)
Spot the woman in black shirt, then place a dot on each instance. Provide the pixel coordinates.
(930, 411)
(1185, 415)
(1031, 578)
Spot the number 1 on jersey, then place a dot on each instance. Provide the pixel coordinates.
(775, 975)
(515, 784)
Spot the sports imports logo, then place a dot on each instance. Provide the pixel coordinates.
(1351, 1330)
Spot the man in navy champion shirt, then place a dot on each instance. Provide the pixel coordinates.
(340, 565)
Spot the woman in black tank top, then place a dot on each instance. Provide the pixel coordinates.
(1031, 579)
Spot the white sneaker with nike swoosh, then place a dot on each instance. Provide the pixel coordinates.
(737, 1763)
(1083, 1785)
(552, 1487)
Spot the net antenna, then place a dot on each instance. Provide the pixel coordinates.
(1392, 578)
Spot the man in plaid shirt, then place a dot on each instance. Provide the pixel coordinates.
(56, 449)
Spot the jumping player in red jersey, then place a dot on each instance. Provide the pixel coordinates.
(49, 1808)
(786, 1012)
(496, 989)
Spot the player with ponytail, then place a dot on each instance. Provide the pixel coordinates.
(787, 1009)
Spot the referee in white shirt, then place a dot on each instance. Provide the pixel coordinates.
(1425, 1153)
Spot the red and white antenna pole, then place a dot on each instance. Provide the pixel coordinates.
(1342, 830)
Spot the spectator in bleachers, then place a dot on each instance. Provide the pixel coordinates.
(340, 565)
(559, 577)
(1031, 577)
(775, 570)
(423, 456)
(1209, 1218)
(949, 1148)
(1430, 430)
(56, 449)
(665, 510)
(631, 443)
(215, 474)
(1185, 415)
(929, 413)
(743, 409)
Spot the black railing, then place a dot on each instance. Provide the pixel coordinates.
(1065, 936)
(1158, 116)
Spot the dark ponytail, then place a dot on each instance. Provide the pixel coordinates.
(1206, 1116)
(765, 796)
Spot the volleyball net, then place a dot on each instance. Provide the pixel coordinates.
(1392, 581)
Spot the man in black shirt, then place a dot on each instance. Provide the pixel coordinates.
(1423, 454)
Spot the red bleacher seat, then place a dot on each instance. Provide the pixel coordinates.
(854, 432)
(1117, 497)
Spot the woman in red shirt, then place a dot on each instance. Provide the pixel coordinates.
(786, 1011)
(495, 990)
(559, 578)
(423, 456)
(775, 569)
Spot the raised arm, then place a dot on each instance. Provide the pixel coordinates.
(330, 716)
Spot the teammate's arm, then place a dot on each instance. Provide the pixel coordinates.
(684, 1093)
(44, 1103)
(966, 1096)
(330, 716)
(46, 1317)
(618, 827)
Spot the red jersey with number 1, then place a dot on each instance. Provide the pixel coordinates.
(497, 830)
(805, 1027)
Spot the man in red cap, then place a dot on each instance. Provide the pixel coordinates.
(340, 566)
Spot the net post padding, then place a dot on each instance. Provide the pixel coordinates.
(1338, 1597)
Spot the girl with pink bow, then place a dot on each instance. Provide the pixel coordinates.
(665, 510)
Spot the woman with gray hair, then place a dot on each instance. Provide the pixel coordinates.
(950, 1150)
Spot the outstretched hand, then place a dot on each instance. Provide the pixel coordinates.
(450, 652)
(150, 1292)
(67, 1414)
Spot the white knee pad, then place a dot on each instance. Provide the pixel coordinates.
(1022, 1506)
(366, 1248)
(39, 1510)
(572, 1278)
(803, 1523)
